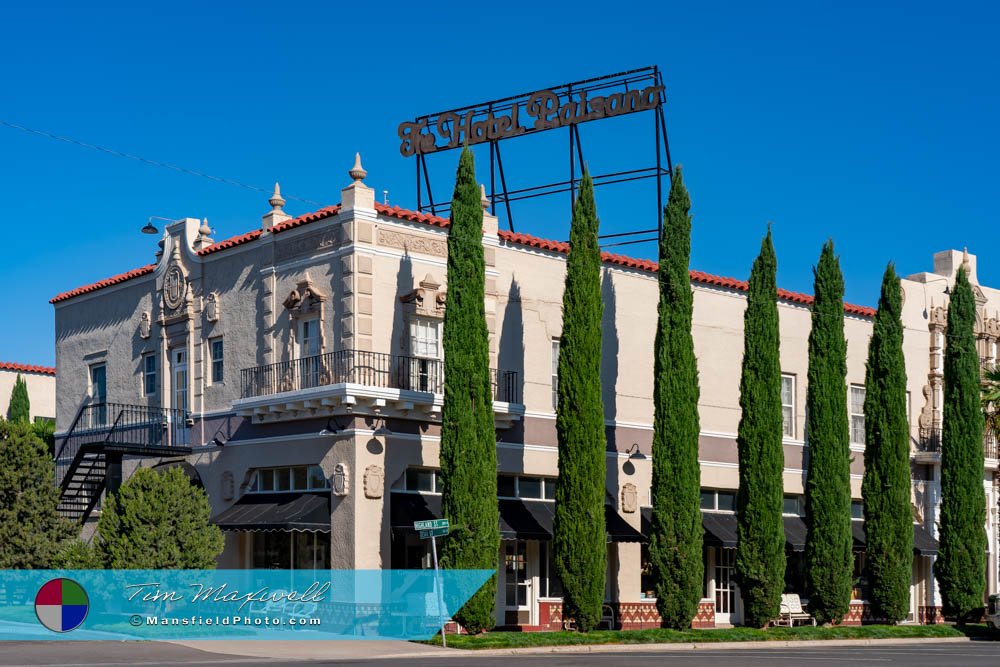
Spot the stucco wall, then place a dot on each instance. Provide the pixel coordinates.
(41, 392)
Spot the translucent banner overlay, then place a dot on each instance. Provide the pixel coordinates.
(231, 604)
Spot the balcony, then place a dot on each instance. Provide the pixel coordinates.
(357, 381)
(929, 446)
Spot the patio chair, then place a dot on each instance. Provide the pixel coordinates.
(791, 611)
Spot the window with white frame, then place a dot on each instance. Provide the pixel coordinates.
(714, 500)
(424, 480)
(217, 353)
(425, 338)
(555, 373)
(788, 405)
(289, 478)
(149, 374)
(856, 404)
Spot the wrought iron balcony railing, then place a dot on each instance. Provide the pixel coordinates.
(375, 369)
(930, 441)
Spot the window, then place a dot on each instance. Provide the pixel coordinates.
(718, 501)
(423, 479)
(520, 486)
(291, 478)
(425, 336)
(149, 375)
(308, 337)
(217, 353)
(180, 378)
(857, 408)
(788, 405)
(857, 510)
(555, 373)
(792, 506)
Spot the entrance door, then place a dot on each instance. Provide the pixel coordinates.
(726, 592)
(517, 583)
(99, 394)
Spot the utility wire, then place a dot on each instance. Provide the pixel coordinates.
(154, 163)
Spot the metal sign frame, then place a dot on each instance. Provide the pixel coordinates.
(566, 106)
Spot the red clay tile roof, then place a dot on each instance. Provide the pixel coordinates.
(26, 368)
(107, 282)
(649, 265)
(437, 221)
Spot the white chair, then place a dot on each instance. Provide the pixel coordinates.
(791, 611)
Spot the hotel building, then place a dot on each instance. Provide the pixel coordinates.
(295, 371)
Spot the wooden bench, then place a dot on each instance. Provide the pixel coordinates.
(791, 611)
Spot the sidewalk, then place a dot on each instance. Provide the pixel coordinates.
(365, 649)
(378, 648)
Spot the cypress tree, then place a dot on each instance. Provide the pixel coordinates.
(760, 545)
(961, 563)
(675, 542)
(829, 559)
(886, 486)
(19, 409)
(468, 436)
(579, 543)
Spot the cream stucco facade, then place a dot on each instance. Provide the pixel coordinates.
(315, 341)
(41, 383)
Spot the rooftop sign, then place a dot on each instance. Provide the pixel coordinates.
(523, 114)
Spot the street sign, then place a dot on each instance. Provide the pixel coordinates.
(431, 525)
(433, 532)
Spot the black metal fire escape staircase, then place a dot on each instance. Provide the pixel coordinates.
(89, 460)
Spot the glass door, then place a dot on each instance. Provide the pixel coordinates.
(180, 378)
(726, 593)
(517, 584)
(309, 362)
(99, 394)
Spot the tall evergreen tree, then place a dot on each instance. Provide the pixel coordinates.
(31, 530)
(19, 409)
(675, 543)
(468, 436)
(886, 486)
(829, 558)
(760, 545)
(961, 563)
(579, 543)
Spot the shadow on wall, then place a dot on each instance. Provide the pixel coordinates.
(610, 346)
(510, 356)
(404, 285)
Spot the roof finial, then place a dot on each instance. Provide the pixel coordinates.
(276, 201)
(483, 199)
(357, 172)
(204, 230)
(965, 259)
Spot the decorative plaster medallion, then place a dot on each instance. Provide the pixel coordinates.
(374, 480)
(228, 485)
(630, 498)
(174, 287)
(339, 480)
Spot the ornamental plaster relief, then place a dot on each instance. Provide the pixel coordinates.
(413, 243)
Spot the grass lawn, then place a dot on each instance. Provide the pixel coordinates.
(662, 636)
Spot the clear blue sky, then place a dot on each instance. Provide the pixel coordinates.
(874, 125)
